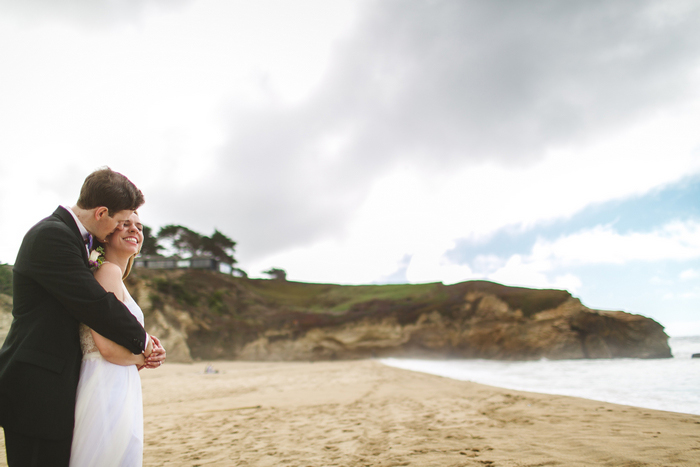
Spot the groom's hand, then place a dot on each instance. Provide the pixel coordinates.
(157, 357)
(149, 348)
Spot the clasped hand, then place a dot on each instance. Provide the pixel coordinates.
(157, 356)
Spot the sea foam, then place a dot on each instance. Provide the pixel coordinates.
(671, 384)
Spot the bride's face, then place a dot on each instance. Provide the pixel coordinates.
(129, 239)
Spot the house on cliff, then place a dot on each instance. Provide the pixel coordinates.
(207, 262)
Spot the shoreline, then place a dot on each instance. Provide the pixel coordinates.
(657, 384)
(364, 413)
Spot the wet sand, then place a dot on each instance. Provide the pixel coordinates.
(362, 413)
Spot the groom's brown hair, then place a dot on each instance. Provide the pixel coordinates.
(105, 187)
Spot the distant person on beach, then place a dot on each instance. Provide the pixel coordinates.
(54, 291)
(109, 409)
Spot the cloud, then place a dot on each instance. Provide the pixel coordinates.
(84, 13)
(681, 296)
(688, 274)
(415, 127)
(504, 80)
(522, 271)
(439, 87)
(678, 241)
(507, 80)
(601, 245)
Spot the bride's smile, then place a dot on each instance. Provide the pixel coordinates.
(128, 240)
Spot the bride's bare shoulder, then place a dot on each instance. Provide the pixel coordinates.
(109, 275)
(108, 269)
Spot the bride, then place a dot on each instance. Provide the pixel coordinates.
(108, 410)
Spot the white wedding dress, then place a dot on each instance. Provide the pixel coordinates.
(108, 409)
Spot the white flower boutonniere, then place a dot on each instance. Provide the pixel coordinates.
(97, 257)
(94, 254)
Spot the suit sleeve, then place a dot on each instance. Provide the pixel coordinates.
(56, 262)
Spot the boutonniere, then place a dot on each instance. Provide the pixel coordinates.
(97, 257)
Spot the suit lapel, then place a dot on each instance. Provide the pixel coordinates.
(67, 219)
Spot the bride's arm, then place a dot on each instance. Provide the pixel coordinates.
(110, 277)
(115, 353)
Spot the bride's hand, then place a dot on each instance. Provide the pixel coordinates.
(157, 357)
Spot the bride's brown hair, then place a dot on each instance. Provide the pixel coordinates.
(132, 258)
(130, 264)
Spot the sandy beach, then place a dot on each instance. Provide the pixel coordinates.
(362, 413)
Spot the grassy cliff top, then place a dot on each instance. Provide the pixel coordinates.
(197, 287)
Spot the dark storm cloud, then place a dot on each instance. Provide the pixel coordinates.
(473, 80)
(440, 84)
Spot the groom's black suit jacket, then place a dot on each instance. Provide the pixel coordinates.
(53, 291)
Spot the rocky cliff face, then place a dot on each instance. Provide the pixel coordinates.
(493, 331)
(206, 315)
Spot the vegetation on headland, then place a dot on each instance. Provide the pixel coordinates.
(5, 279)
(201, 314)
(220, 316)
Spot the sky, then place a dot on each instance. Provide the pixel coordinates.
(542, 144)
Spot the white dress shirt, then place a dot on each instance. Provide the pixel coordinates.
(81, 227)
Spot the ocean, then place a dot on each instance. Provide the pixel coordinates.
(671, 384)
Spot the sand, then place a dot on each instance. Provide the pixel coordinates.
(362, 413)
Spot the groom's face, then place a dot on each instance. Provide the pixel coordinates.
(106, 224)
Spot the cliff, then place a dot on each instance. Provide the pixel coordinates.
(206, 315)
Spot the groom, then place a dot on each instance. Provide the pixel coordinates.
(54, 291)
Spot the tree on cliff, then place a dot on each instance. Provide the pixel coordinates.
(150, 243)
(188, 243)
(184, 241)
(276, 274)
(220, 247)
